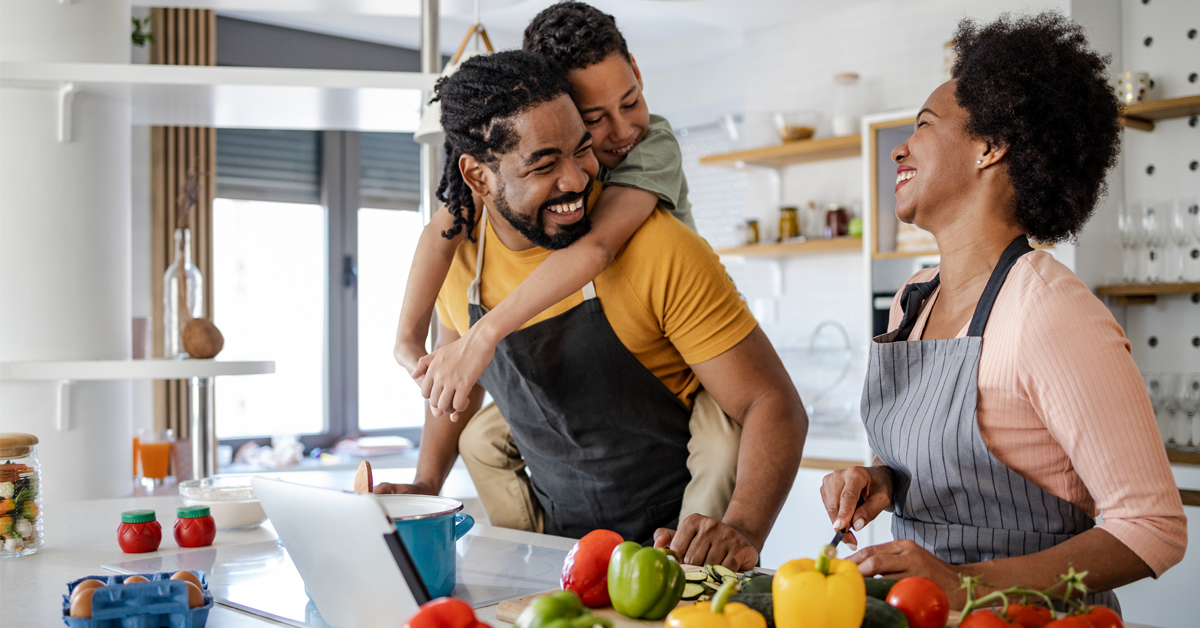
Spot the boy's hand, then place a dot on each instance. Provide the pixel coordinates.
(448, 375)
(408, 355)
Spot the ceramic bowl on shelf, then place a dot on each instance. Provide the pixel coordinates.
(230, 499)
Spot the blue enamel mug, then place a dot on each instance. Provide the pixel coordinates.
(428, 527)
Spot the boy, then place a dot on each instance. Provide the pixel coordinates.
(641, 166)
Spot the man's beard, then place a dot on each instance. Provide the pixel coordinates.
(535, 230)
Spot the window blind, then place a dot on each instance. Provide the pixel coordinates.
(269, 165)
(390, 171)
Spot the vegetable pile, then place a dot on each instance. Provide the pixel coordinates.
(979, 613)
(18, 506)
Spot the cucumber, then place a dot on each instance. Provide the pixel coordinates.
(692, 590)
(704, 598)
(695, 576)
(878, 588)
(880, 614)
(762, 602)
(757, 583)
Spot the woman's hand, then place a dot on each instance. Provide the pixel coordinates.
(841, 491)
(904, 558)
(408, 355)
(448, 375)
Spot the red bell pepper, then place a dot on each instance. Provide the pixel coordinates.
(444, 612)
(586, 570)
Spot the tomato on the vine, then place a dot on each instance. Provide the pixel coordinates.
(1030, 616)
(1102, 617)
(922, 601)
(985, 618)
(1070, 621)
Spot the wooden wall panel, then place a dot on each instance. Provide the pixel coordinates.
(183, 37)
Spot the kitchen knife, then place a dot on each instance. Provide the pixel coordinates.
(837, 538)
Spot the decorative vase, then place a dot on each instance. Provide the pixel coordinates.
(183, 295)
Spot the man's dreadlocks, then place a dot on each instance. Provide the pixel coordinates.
(479, 102)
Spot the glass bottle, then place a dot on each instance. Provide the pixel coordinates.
(20, 494)
(847, 104)
(183, 295)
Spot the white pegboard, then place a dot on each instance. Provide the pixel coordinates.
(1160, 37)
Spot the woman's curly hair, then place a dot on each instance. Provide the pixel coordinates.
(574, 35)
(1033, 86)
(479, 102)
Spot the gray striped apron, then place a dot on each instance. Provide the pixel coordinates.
(952, 496)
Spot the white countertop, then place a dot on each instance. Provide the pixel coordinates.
(81, 536)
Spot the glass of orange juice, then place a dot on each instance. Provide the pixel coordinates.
(154, 450)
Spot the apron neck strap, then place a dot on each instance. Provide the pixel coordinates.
(911, 298)
(473, 289)
(983, 309)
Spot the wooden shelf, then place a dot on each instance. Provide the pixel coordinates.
(788, 249)
(1145, 293)
(789, 154)
(1141, 115)
(1183, 457)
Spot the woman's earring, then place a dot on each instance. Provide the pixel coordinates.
(979, 162)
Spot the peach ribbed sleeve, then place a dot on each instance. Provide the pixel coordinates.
(1062, 403)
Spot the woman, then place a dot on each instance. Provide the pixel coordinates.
(1005, 407)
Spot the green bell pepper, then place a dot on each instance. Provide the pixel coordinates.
(643, 582)
(559, 610)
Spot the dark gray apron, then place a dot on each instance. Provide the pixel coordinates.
(952, 496)
(604, 439)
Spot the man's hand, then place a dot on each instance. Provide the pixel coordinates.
(841, 490)
(408, 355)
(451, 372)
(904, 558)
(703, 540)
(418, 488)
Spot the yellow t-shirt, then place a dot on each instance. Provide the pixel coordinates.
(666, 295)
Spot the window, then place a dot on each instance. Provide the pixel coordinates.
(313, 236)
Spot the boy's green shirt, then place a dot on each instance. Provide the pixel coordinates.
(656, 166)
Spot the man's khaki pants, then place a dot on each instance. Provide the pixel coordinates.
(496, 466)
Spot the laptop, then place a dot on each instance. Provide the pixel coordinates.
(348, 552)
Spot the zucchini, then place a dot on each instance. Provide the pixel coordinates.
(723, 573)
(757, 583)
(704, 598)
(695, 576)
(878, 588)
(692, 590)
(764, 603)
(880, 614)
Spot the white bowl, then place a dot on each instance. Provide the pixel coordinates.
(229, 498)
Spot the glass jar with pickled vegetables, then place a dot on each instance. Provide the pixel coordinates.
(20, 495)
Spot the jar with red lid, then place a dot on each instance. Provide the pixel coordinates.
(139, 532)
(194, 526)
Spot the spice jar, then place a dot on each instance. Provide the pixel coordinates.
(139, 532)
(194, 526)
(752, 235)
(789, 223)
(847, 104)
(20, 495)
(837, 222)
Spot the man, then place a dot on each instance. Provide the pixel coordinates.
(597, 390)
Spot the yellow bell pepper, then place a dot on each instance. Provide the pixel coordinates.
(823, 593)
(720, 613)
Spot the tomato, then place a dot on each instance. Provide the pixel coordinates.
(1102, 617)
(985, 618)
(1030, 616)
(922, 601)
(586, 569)
(1070, 621)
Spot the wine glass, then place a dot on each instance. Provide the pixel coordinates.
(1192, 256)
(1154, 226)
(1181, 235)
(1159, 395)
(1188, 398)
(1178, 424)
(1129, 235)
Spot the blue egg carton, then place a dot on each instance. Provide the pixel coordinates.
(159, 603)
